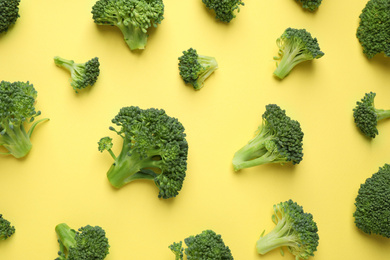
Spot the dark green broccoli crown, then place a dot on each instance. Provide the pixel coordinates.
(195, 69)
(177, 249)
(300, 39)
(372, 203)
(105, 143)
(9, 13)
(310, 5)
(365, 115)
(92, 71)
(224, 9)
(373, 31)
(6, 230)
(207, 245)
(287, 133)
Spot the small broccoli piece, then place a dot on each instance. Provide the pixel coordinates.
(372, 214)
(85, 244)
(6, 230)
(154, 148)
(277, 140)
(294, 229)
(195, 69)
(82, 74)
(133, 18)
(206, 245)
(17, 107)
(225, 9)
(9, 13)
(366, 116)
(373, 31)
(295, 46)
(310, 5)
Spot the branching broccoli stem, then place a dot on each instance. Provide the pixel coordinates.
(295, 46)
(9, 13)
(294, 229)
(82, 74)
(6, 229)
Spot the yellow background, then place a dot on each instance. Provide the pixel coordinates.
(63, 179)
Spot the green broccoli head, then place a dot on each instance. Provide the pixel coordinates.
(373, 31)
(85, 244)
(9, 13)
(195, 69)
(310, 5)
(154, 148)
(17, 107)
(366, 116)
(206, 245)
(133, 18)
(6, 229)
(277, 140)
(295, 46)
(82, 74)
(224, 10)
(294, 229)
(372, 214)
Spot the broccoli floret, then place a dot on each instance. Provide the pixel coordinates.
(373, 31)
(372, 214)
(9, 13)
(294, 229)
(295, 46)
(366, 116)
(206, 245)
(154, 148)
(277, 140)
(310, 5)
(133, 18)
(6, 230)
(17, 107)
(195, 69)
(82, 74)
(224, 9)
(85, 244)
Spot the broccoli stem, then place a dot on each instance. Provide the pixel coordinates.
(68, 64)
(382, 114)
(16, 140)
(291, 57)
(135, 37)
(66, 235)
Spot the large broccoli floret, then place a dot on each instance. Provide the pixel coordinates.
(82, 74)
(294, 229)
(373, 31)
(85, 244)
(372, 214)
(9, 13)
(6, 229)
(366, 116)
(195, 69)
(310, 5)
(295, 46)
(154, 148)
(277, 140)
(224, 9)
(206, 245)
(17, 107)
(132, 17)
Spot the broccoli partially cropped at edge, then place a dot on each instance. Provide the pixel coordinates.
(85, 244)
(154, 148)
(195, 69)
(294, 229)
(372, 214)
(17, 109)
(6, 229)
(9, 13)
(295, 46)
(224, 9)
(373, 31)
(206, 245)
(366, 116)
(82, 74)
(277, 140)
(133, 18)
(310, 5)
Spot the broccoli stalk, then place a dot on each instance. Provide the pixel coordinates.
(6, 229)
(295, 46)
